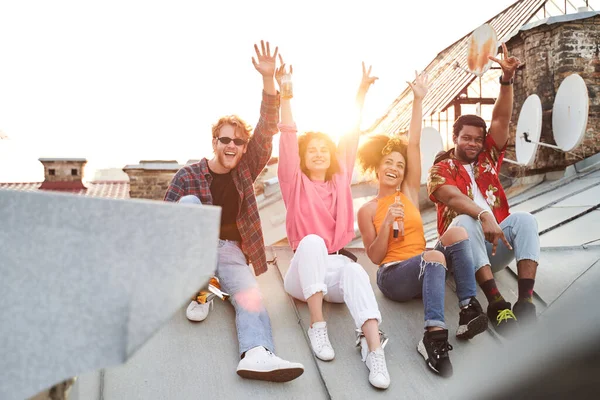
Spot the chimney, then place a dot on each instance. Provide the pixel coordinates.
(150, 178)
(63, 173)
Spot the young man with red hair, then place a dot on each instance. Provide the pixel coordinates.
(226, 180)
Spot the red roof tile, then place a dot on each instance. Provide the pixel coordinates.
(109, 189)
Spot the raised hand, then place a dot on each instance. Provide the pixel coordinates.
(420, 87)
(266, 62)
(280, 72)
(508, 64)
(367, 80)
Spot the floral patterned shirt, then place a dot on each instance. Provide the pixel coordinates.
(451, 172)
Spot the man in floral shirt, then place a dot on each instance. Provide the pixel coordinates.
(465, 187)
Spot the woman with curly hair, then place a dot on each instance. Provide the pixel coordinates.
(393, 235)
(315, 177)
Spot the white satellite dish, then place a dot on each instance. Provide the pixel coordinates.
(570, 112)
(431, 144)
(529, 130)
(569, 121)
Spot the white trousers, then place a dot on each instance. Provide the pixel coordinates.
(341, 280)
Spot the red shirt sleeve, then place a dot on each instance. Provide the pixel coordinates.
(439, 175)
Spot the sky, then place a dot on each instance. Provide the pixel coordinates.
(117, 82)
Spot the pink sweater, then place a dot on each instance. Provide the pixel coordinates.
(320, 208)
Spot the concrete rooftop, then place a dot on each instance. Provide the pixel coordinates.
(190, 360)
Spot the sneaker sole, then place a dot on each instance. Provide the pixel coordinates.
(324, 358)
(475, 326)
(277, 375)
(195, 320)
(423, 351)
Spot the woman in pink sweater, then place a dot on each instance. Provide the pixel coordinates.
(315, 179)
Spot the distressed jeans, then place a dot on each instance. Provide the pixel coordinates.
(417, 278)
(236, 278)
(520, 230)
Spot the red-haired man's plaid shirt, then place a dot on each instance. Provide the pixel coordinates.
(451, 172)
(195, 179)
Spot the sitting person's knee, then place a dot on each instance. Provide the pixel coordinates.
(525, 219)
(453, 235)
(434, 256)
(312, 241)
(189, 199)
(249, 299)
(356, 270)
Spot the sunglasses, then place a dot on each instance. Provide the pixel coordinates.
(226, 140)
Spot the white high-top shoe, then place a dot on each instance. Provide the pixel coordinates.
(375, 360)
(378, 373)
(198, 311)
(319, 341)
(260, 363)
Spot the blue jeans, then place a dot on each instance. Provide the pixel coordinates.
(415, 277)
(520, 230)
(236, 278)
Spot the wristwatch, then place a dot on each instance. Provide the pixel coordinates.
(506, 83)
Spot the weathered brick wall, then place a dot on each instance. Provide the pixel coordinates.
(551, 53)
(149, 184)
(150, 179)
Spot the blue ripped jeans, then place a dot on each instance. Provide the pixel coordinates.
(417, 278)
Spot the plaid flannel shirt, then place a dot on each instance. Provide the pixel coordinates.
(195, 179)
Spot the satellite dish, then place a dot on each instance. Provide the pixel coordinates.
(570, 112)
(482, 43)
(529, 127)
(431, 144)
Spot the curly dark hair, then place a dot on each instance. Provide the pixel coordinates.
(370, 152)
(304, 140)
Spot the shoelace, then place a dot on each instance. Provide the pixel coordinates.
(378, 363)
(441, 348)
(322, 337)
(505, 315)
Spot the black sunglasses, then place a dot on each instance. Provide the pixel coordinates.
(226, 140)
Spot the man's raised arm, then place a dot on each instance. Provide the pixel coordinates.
(260, 146)
(504, 104)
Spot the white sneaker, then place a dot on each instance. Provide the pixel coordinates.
(260, 363)
(197, 311)
(319, 341)
(378, 373)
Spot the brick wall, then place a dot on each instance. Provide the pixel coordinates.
(150, 179)
(551, 53)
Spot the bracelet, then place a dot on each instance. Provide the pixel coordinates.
(481, 212)
(506, 83)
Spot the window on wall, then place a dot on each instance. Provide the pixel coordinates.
(51, 172)
(74, 172)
